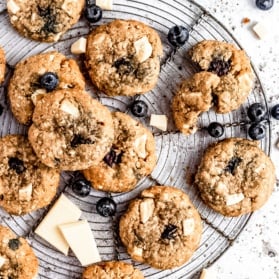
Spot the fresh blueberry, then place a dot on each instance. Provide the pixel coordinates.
(257, 131)
(257, 112)
(275, 112)
(264, 4)
(49, 81)
(17, 165)
(215, 129)
(93, 13)
(139, 108)
(14, 244)
(178, 35)
(81, 187)
(106, 207)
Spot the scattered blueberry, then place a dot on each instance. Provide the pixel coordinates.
(139, 108)
(49, 81)
(178, 35)
(16, 164)
(215, 129)
(257, 112)
(257, 131)
(106, 207)
(81, 187)
(220, 67)
(14, 244)
(92, 12)
(264, 4)
(275, 112)
(169, 232)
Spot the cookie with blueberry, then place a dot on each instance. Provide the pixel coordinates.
(112, 270)
(123, 57)
(235, 177)
(71, 130)
(161, 227)
(131, 157)
(44, 21)
(17, 259)
(38, 75)
(193, 97)
(233, 68)
(25, 183)
(2, 64)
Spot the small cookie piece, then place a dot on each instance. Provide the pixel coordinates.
(44, 20)
(161, 227)
(2, 64)
(112, 270)
(25, 87)
(17, 257)
(71, 130)
(232, 66)
(25, 183)
(123, 57)
(131, 157)
(235, 177)
(193, 97)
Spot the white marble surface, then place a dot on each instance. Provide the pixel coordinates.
(255, 254)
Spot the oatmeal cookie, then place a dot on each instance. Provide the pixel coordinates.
(25, 183)
(44, 20)
(2, 64)
(131, 157)
(123, 57)
(193, 97)
(161, 227)
(26, 85)
(112, 270)
(232, 66)
(17, 259)
(235, 177)
(71, 130)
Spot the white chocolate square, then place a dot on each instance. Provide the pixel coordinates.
(143, 49)
(105, 4)
(79, 46)
(159, 121)
(146, 210)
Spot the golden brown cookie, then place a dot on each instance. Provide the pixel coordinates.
(161, 227)
(2, 64)
(123, 57)
(235, 177)
(232, 66)
(131, 157)
(44, 20)
(27, 84)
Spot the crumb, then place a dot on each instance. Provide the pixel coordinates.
(245, 20)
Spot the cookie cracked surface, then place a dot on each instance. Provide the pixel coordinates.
(161, 227)
(235, 177)
(123, 57)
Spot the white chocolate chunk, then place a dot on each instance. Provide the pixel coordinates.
(105, 4)
(63, 211)
(37, 95)
(221, 188)
(260, 30)
(25, 193)
(208, 274)
(2, 261)
(79, 46)
(81, 240)
(146, 210)
(12, 6)
(68, 7)
(188, 226)
(137, 251)
(143, 49)
(139, 145)
(159, 121)
(69, 108)
(234, 199)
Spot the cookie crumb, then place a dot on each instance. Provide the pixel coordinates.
(245, 20)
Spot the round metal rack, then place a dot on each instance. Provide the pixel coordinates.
(178, 155)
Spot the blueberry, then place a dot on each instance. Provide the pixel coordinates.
(215, 129)
(106, 207)
(264, 4)
(49, 81)
(139, 108)
(275, 112)
(178, 35)
(93, 13)
(233, 164)
(17, 165)
(257, 112)
(169, 232)
(257, 131)
(81, 187)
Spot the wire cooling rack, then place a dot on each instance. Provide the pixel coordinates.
(178, 156)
